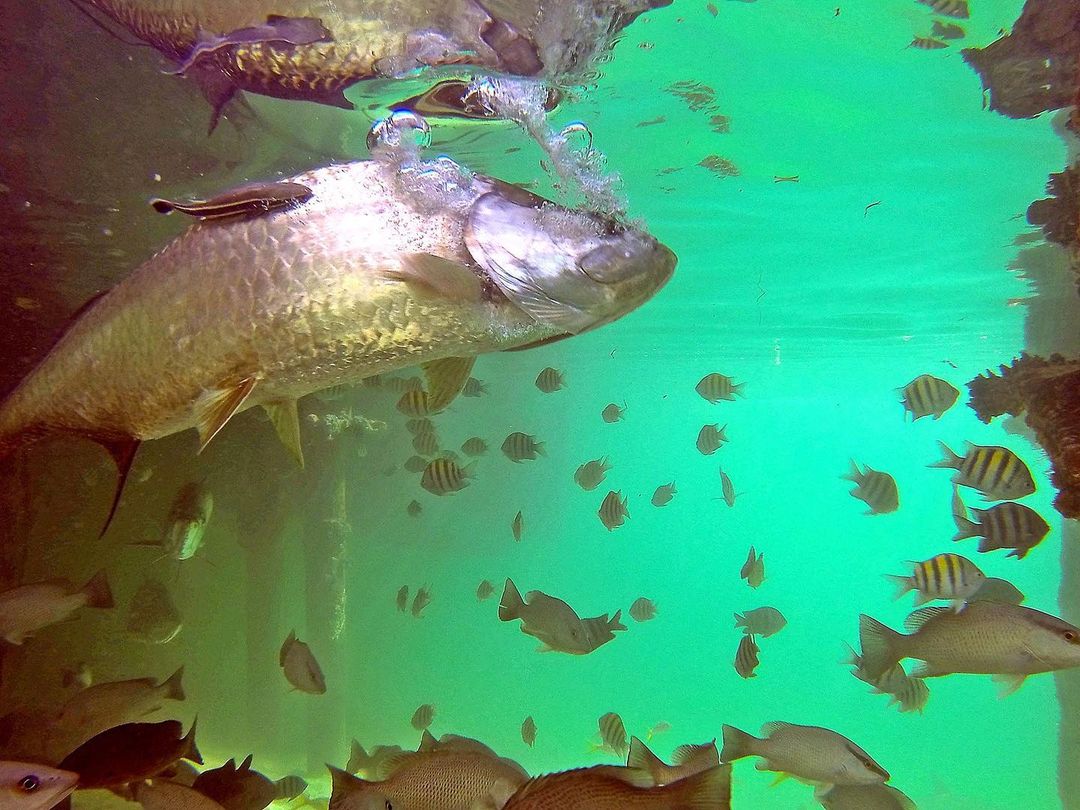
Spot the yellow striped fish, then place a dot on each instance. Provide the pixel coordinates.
(519, 447)
(414, 402)
(997, 472)
(549, 380)
(950, 8)
(927, 395)
(613, 735)
(927, 44)
(418, 426)
(715, 387)
(746, 657)
(426, 444)
(613, 511)
(474, 447)
(423, 716)
(709, 439)
(944, 576)
(877, 489)
(443, 476)
(1004, 525)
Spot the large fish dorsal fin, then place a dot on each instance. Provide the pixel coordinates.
(921, 616)
(427, 742)
(690, 752)
(640, 756)
(217, 406)
(286, 422)
(445, 379)
(251, 199)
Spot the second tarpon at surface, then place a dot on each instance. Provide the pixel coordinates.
(283, 289)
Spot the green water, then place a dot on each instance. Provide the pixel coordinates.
(822, 306)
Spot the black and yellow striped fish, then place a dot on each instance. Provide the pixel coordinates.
(715, 387)
(473, 388)
(414, 402)
(549, 380)
(709, 439)
(875, 488)
(613, 511)
(944, 576)
(997, 472)
(746, 657)
(415, 464)
(613, 734)
(443, 476)
(426, 444)
(927, 44)
(928, 396)
(418, 426)
(1005, 525)
(950, 8)
(474, 447)
(519, 447)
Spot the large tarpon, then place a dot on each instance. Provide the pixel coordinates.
(326, 278)
(314, 49)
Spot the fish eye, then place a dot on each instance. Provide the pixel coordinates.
(387, 805)
(29, 783)
(1070, 636)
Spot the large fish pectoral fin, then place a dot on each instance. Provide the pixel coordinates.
(536, 344)
(123, 453)
(286, 422)
(433, 276)
(445, 379)
(1008, 683)
(251, 199)
(217, 406)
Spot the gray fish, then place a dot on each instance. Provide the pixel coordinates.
(998, 590)
(715, 387)
(402, 599)
(520, 447)
(943, 30)
(862, 797)
(746, 657)
(474, 447)
(928, 396)
(31, 786)
(987, 638)
(612, 413)
(528, 731)
(1005, 525)
(484, 591)
(549, 380)
(300, 667)
(950, 8)
(808, 752)
(643, 609)
(613, 735)
(443, 476)
(217, 291)
(152, 617)
(762, 621)
(415, 464)
(959, 511)
(710, 438)
(29, 608)
(877, 489)
(753, 570)
(421, 601)
(473, 388)
(613, 511)
(547, 618)
(663, 494)
(727, 489)
(517, 526)
(997, 472)
(414, 509)
(423, 716)
(237, 787)
(591, 474)
(688, 760)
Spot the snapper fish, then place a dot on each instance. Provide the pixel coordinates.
(348, 271)
(130, 753)
(554, 623)
(31, 786)
(26, 609)
(162, 794)
(610, 787)
(300, 667)
(688, 760)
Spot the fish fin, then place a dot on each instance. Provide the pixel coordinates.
(358, 758)
(217, 406)
(690, 752)
(968, 528)
(285, 647)
(903, 584)
(615, 623)
(174, 689)
(286, 422)
(511, 604)
(343, 784)
(914, 622)
(707, 790)
(879, 653)
(246, 764)
(1007, 684)
(781, 776)
(191, 752)
(639, 756)
(924, 669)
(123, 453)
(853, 474)
(538, 343)
(97, 591)
(445, 379)
(251, 199)
(737, 744)
(433, 276)
(427, 741)
(949, 458)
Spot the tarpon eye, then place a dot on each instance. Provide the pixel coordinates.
(1070, 636)
(29, 783)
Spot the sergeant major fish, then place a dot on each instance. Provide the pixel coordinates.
(997, 472)
(928, 396)
(1004, 525)
(289, 287)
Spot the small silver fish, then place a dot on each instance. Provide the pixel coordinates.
(998, 590)
(612, 413)
(421, 600)
(613, 511)
(549, 380)
(710, 438)
(727, 489)
(746, 657)
(375, 765)
(517, 526)
(415, 464)
(591, 474)
(753, 570)
(520, 447)
(762, 621)
(473, 388)
(528, 731)
(300, 667)
(663, 494)
(643, 609)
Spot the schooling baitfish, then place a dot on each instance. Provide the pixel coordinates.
(286, 288)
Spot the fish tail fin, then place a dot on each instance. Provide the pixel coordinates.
(640, 756)
(737, 388)
(706, 790)
(966, 528)
(737, 744)
(852, 659)
(174, 688)
(359, 759)
(903, 584)
(539, 448)
(880, 645)
(191, 752)
(97, 590)
(948, 458)
(615, 623)
(511, 604)
(740, 620)
(853, 473)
